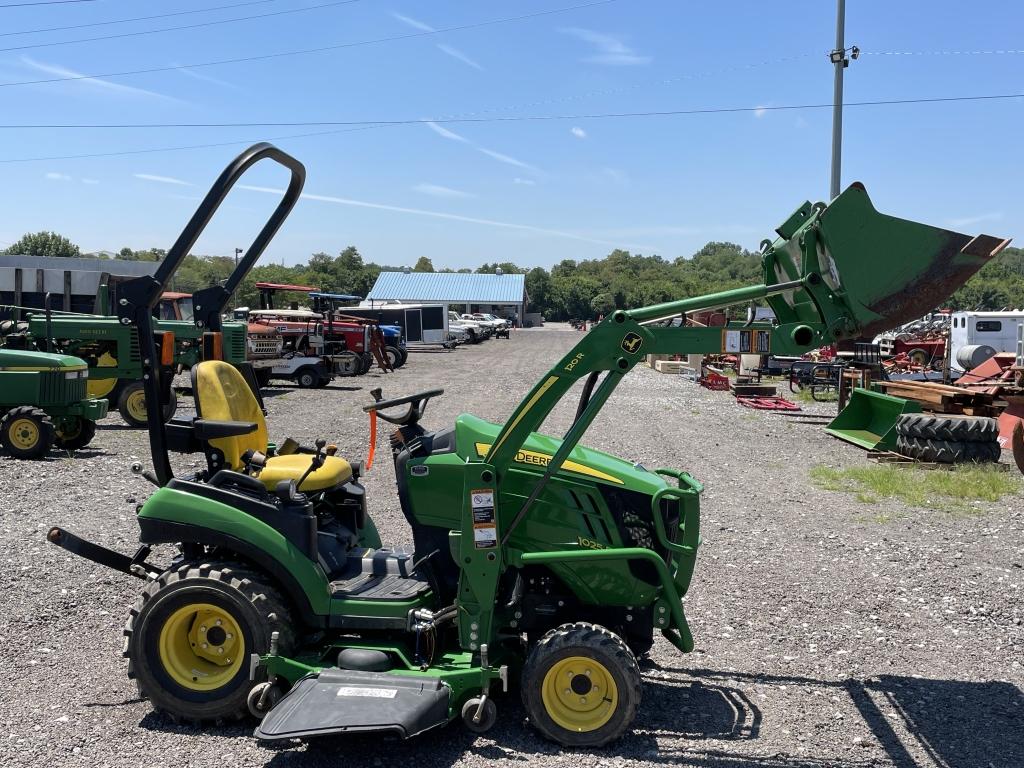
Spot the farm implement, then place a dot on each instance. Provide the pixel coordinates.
(538, 564)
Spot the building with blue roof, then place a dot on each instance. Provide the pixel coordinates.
(498, 294)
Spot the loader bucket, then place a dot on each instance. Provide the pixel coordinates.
(887, 270)
(869, 419)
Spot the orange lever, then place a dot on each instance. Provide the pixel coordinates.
(373, 440)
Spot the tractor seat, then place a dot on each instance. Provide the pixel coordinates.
(222, 394)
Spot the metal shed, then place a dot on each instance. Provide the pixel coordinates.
(499, 294)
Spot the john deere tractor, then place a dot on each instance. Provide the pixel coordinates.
(43, 402)
(538, 564)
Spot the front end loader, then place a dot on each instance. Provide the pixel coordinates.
(538, 564)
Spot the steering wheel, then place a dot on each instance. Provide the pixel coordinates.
(417, 405)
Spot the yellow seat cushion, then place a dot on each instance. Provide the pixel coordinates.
(334, 471)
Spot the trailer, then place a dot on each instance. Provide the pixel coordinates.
(997, 330)
(421, 324)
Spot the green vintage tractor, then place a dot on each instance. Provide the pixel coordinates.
(43, 402)
(538, 564)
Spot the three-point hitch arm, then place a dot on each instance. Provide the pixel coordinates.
(836, 272)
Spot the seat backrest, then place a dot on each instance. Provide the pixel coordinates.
(222, 394)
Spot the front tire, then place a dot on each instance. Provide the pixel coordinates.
(26, 432)
(581, 685)
(307, 377)
(191, 632)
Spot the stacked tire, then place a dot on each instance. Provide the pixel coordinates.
(947, 439)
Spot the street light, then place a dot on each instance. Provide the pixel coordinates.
(238, 252)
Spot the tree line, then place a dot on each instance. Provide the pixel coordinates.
(570, 289)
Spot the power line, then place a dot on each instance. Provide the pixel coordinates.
(339, 46)
(393, 123)
(45, 2)
(137, 18)
(998, 52)
(178, 28)
(514, 118)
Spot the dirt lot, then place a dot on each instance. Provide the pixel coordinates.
(830, 632)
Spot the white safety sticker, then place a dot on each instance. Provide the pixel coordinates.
(485, 536)
(484, 498)
(368, 693)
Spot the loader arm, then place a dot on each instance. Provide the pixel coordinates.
(836, 272)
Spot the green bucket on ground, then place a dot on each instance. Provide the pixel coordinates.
(869, 419)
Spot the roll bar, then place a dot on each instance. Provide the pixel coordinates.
(139, 296)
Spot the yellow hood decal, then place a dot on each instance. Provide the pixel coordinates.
(537, 459)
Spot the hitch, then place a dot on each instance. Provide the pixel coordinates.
(134, 566)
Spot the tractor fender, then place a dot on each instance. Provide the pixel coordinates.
(176, 516)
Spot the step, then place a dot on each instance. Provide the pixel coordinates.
(367, 586)
(348, 701)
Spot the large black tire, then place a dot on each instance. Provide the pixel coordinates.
(394, 356)
(962, 429)
(598, 699)
(947, 451)
(131, 404)
(77, 434)
(307, 377)
(161, 633)
(26, 432)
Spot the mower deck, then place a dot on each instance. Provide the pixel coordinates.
(349, 701)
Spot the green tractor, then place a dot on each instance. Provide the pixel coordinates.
(43, 402)
(538, 564)
(111, 348)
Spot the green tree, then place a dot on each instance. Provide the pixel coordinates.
(423, 264)
(44, 244)
(602, 304)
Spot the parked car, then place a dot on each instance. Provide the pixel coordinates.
(475, 332)
(490, 321)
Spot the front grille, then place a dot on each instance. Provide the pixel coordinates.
(264, 346)
(56, 389)
(234, 342)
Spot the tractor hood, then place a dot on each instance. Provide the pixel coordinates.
(20, 360)
(474, 436)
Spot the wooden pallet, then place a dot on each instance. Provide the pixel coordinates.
(942, 398)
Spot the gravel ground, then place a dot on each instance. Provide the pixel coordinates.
(829, 632)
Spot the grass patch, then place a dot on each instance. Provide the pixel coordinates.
(930, 489)
(804, 396)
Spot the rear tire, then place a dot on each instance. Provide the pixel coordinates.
(184, 625)
(964, 429)
(77, 436)
(581, 685)
(947, 451)
(131, 404)
(26, 432)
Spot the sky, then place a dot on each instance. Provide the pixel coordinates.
(463, 170)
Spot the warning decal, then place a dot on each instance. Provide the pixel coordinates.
(485, 530)
(746, 342)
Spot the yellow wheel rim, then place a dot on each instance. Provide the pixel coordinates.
(135, 404)
(24, 434)
(579, 694)
(201, 647)
(101, 387)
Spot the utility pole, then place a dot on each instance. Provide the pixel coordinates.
(840, 62)
(238, 252)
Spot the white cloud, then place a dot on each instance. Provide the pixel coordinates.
(502, 158)
(54, 176)
(609, 50)
(455, 53)
(578, 132)
(163, 179)
(105, 85)
(436, 190)
(90, 181)
(981, 218)
(499, 156)
(440, 130)
(760, 112)
(197, 75)
(437, 215)
(414, 23)
(525, 182)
